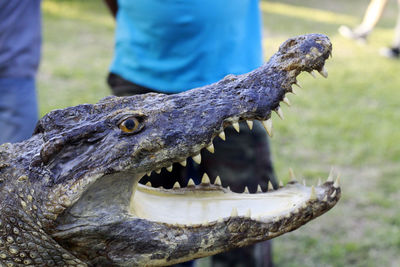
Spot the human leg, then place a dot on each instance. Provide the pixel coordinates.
(18, 109)
(396, 40)
(394, 50)
(371, 18)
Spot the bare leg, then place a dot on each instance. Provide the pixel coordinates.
(394, 50)
(396, 41)
(371, 17)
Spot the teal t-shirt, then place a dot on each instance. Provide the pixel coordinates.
(175, 45)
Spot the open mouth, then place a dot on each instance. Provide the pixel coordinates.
(210, 202)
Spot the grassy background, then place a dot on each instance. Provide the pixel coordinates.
(350, 121)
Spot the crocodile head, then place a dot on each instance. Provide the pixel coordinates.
(83, 165)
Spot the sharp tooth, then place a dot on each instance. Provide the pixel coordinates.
(149, 174)
(270, 187)
(319, 182)
(304, 182)
(236, 126)
(220, 220)
(287, 101)
(280, 113)
(297, 84)
(291, 174)
(268, 126)
(234, 212)
(246, 190)
(294, 91)
(333, 194)
(280, 184)
(222, 135)
(259, 190)
(325, 198)
(183, 163)
(169, 168)
(218, 181)
(191, 182)
(158, 171)
(228, 188)
(197, 158)
(176, 185)
(250, 124)
(337, 182)
(205, 179)
(324, 72)
(313, 195)
(304, 206)
(148, 184)
(210, 148)
(330, 177)
(312, 74)
(248, 213)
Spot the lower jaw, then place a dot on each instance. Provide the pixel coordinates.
(206, 203)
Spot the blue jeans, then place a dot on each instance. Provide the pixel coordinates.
(18, 109)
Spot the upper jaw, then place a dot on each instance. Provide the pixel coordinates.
(247, 97)
(304, 53)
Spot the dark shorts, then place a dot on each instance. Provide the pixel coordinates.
(242, 160)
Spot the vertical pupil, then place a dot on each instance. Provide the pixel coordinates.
(130, 124)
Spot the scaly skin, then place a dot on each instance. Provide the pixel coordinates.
(69, 194)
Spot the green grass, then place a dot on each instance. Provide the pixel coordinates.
(77, 49)
(350, 121)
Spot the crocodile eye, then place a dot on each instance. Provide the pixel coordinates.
(129, 125)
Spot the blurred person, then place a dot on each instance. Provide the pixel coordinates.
(172, 46)
(371, 17)
(20, 43)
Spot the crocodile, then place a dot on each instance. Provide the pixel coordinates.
(70, 195)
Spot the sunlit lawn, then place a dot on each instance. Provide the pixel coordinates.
(350, 120)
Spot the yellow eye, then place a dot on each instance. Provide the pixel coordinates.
(129, 125)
